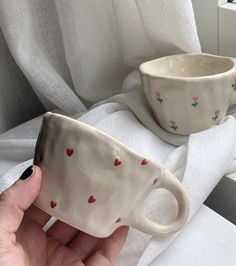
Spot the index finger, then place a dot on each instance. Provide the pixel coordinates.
(16, 199)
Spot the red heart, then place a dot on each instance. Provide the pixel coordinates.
(69, 152)
(117, 162)
(53, 204)
(91, 199)
(144, 162)
(118, 220)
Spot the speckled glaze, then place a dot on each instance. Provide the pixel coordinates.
(96, 184)
(189, 92)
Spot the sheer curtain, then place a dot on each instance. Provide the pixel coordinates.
(77, 52)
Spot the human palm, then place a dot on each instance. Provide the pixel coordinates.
(23, 242)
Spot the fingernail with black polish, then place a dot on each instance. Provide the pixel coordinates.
(27, 173)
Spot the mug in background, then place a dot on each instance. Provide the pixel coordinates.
(189, 92)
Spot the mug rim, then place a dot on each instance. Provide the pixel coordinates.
(218, 75)
(99, 134)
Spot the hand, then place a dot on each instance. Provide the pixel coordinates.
(24, 243)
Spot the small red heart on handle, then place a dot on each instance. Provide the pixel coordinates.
(144, 162)
(53, 204)
(117, 162)
(91, 199)
(69, 152)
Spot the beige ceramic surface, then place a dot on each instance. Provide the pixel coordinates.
(95, 183)
(189, 92)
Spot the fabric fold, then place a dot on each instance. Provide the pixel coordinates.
(49, 80)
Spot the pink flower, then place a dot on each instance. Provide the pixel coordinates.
(217, 112)
(195, 98)
(172, 122)
(158, 94)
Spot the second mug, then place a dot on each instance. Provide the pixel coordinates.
(189, 92)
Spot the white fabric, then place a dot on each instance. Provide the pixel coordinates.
(82, 51)
(208, 240)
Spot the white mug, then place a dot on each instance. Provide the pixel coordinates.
(189, 92)
(95, 183)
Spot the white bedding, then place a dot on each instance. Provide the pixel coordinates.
(208, 240)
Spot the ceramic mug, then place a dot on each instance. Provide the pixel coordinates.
(95, 183)
(189, 92)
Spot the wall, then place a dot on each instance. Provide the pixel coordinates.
(206, 16)
(227, 30)
(216, 20)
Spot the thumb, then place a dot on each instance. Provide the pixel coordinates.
(17, 198)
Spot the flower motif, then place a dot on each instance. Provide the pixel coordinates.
(195, 101)
(216, 114)
(173, 124)
(158, 96)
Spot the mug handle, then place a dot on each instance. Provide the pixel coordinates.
(140, 221)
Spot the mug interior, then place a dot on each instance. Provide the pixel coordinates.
(187, 65)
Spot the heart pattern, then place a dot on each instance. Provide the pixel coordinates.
(117, 162)
(91, 199)
(69, 151)
(53, 204)
(144, 162)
